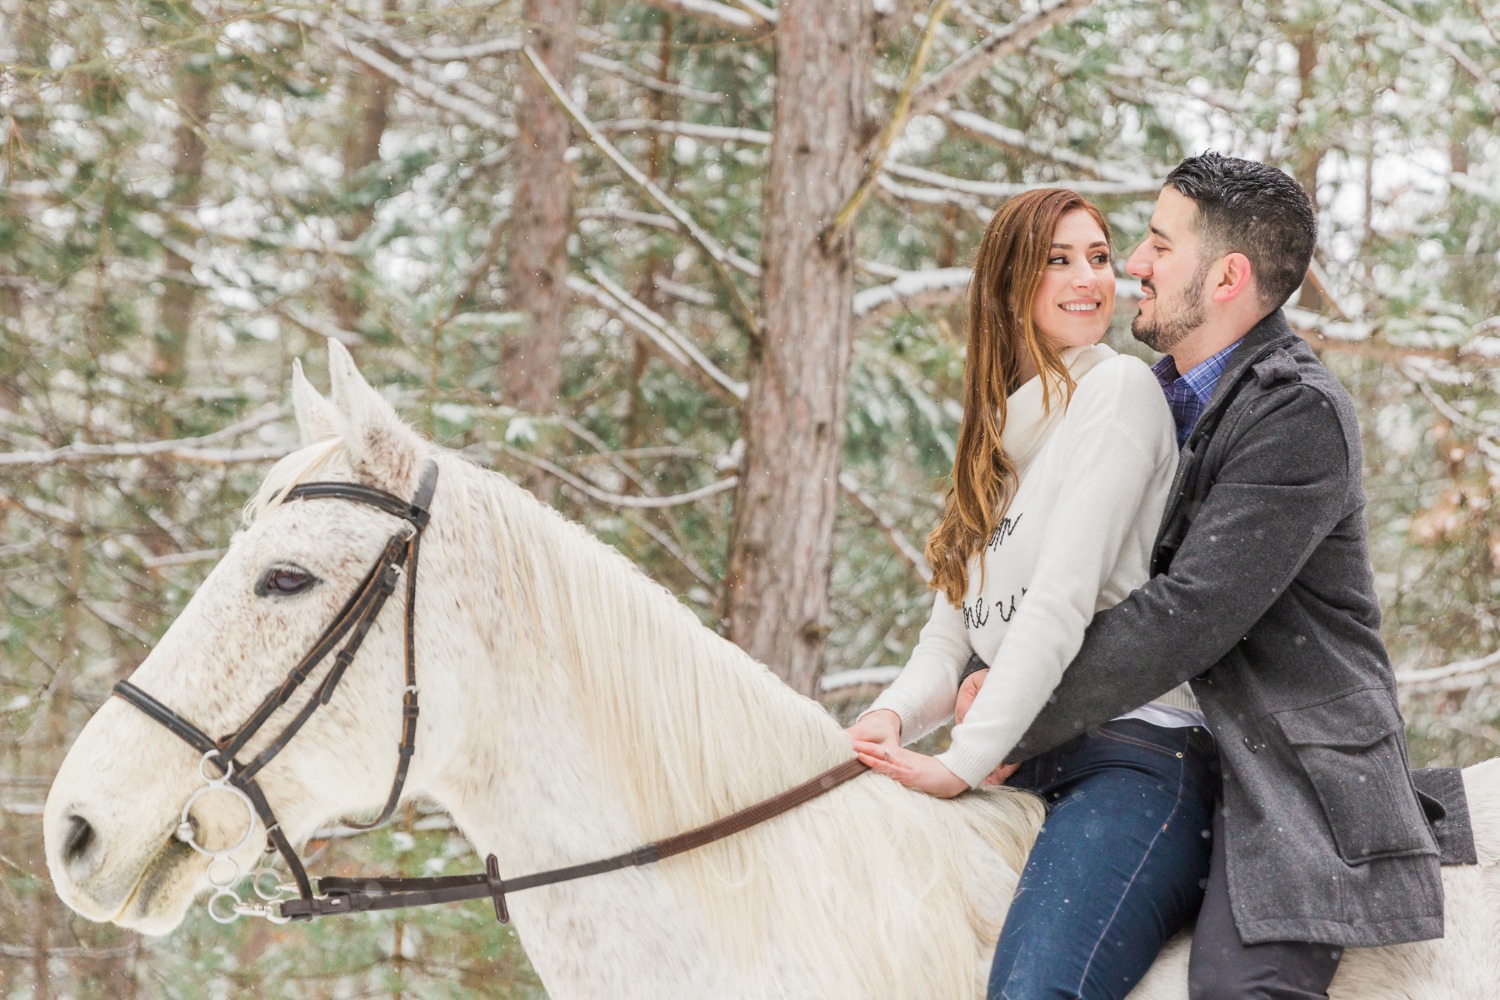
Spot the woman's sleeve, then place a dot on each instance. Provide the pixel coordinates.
(1112, 479)
(924, 692)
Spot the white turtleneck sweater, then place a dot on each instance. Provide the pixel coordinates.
(1092, 482)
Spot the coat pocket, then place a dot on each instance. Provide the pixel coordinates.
(1350, 749)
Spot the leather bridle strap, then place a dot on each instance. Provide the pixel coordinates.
(360, 895)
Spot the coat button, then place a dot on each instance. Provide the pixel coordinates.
(1250, 745)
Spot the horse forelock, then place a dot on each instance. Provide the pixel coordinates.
(292, 470)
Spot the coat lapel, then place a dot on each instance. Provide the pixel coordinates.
(1266, 336)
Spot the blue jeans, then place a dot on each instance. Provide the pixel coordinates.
(1119, 866)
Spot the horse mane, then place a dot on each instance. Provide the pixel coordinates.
(691, 728)
(688, 728)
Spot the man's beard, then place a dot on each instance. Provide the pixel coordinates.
(1172, 325)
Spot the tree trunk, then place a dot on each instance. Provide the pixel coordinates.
(781, 541)
(1309, 149)
(369, 109)
(541, 216)
(180, 295)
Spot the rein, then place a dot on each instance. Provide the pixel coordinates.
(350, 626)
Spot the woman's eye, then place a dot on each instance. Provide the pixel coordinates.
(1101, 260)
(284, 580)
(1057, 260)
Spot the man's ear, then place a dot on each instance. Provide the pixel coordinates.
(1233, 278)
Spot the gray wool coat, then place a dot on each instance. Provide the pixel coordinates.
(1262, 596)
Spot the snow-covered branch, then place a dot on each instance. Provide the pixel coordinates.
(1001, 190)
(718, 255)
(1458, 676)
(750, 17)
(713, 133)
(198, 449)
(1485, 81)
(1001, 45)
(912, 289)
(1003, 135)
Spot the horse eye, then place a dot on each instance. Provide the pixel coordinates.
(284, 580)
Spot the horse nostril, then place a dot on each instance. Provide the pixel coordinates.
(80, 836)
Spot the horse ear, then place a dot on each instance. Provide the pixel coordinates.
(317, 420)
(381, 447)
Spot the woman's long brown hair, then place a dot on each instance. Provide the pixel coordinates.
(1008, 269)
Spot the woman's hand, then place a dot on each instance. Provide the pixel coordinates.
(967, 692)
(881, 727)
(912, 769)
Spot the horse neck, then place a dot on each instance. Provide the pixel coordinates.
(606, 714)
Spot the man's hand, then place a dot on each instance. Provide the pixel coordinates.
(967, 692)
(912, 769)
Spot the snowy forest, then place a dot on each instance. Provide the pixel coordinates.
(690, 270)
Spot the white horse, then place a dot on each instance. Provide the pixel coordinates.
(573, 710)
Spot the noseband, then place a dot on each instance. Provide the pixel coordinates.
(354, 895)
(349, 627)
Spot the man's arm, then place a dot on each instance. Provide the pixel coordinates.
(1281, 490)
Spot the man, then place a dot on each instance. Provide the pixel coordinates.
(1262, 596)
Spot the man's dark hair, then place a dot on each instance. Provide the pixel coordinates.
(1254, 209)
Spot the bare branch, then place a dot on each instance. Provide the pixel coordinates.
(875, 157)
(419, 85)
(904, 548)
(618, 499)
(716, 252)
(649, 82)
(1002, 45)
(651, 220)
(672, 345)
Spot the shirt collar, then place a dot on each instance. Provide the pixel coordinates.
(1201, 378)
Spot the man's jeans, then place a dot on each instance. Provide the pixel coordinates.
(1119, 866)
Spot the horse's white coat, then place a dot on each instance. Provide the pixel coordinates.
(572, 709)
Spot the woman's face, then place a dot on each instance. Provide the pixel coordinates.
(1076, 299)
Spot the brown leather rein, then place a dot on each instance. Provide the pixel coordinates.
(355, 895)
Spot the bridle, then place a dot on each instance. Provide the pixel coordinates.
(350, 626)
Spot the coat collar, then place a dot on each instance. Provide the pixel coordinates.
(1265, 338)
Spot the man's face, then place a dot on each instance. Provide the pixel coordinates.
(1172, 272)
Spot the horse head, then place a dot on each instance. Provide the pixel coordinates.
(119, 823)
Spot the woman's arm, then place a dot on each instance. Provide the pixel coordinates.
(1112, 479)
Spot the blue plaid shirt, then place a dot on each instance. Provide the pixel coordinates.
(1188, 395)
